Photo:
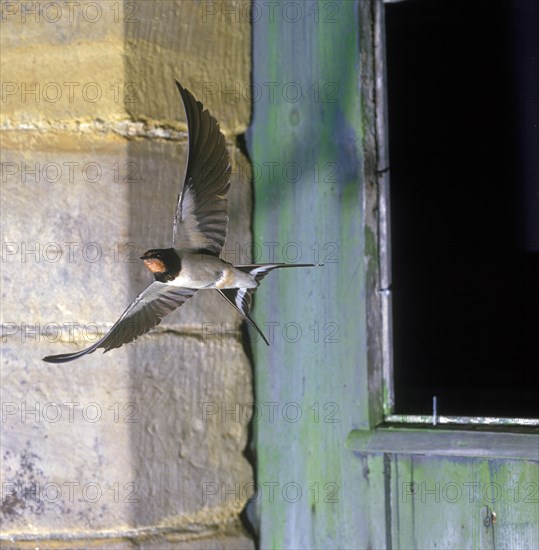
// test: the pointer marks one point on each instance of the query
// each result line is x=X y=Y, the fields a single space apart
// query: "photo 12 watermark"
x=279 y=492
x=70 y=332
x=69 y=12
x=290 y=252
x=291 y=171
x=270 y=91
x=236 y=11
x=52 y=412
x=270 y=412
x=290 y=332
x=69 y=252
x=68 y=92
x=52 y=172
x=469 y=491
x=68 y=492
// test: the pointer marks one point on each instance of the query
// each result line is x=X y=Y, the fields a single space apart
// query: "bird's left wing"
x=144 y=313
x=201 y=217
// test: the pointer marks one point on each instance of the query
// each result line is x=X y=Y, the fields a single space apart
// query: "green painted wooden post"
x=306 y=143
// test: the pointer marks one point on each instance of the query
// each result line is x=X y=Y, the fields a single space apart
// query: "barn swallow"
x=198 y=234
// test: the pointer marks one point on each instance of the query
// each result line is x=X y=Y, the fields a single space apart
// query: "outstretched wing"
x=201 y=216
x=144 y=313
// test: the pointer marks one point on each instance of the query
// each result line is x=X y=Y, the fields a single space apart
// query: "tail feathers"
x=259 y=271
x=241 y=298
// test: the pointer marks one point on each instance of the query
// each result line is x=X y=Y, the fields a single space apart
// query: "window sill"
x=442 y=441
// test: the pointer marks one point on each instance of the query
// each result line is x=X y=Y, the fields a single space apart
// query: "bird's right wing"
x=144 y=313
x=201 y=217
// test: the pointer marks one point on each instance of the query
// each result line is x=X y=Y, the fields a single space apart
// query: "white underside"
x=202 y=271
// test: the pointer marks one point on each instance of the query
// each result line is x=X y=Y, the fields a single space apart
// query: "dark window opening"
x=463 y=89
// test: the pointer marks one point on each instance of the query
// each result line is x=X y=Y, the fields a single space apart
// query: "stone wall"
x=124 y=448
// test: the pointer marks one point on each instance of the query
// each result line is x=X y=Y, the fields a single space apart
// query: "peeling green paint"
x=439 y=501
x=321 y=133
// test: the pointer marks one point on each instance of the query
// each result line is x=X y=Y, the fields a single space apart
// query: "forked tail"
x=241 y=298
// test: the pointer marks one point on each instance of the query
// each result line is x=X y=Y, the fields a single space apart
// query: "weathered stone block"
x=111 y=59
x=205 y=45
x=142 y=449
x=62 y=60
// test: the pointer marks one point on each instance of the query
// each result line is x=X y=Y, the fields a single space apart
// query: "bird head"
x=164 y=263
x=155 y=260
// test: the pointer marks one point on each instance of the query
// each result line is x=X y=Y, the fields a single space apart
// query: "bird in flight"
x=198 y=234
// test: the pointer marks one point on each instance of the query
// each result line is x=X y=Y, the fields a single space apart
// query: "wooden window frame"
x=381 y=321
